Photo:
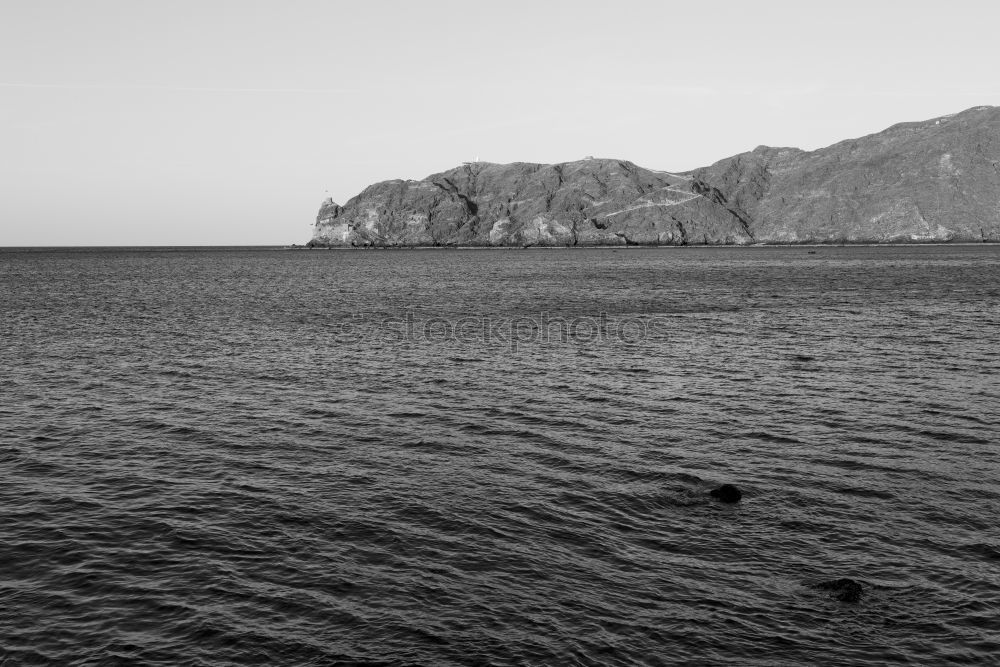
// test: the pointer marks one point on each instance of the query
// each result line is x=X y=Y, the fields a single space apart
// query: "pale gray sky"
x=189 y=122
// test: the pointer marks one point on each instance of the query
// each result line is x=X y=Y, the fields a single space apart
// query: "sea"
x=266 y=456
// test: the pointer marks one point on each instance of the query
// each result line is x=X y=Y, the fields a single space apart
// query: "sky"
x=227 y=122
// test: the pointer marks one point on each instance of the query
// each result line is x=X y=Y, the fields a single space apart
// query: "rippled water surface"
x=497 y=457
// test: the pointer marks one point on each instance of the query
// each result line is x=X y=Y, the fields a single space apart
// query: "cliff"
x=937 y=180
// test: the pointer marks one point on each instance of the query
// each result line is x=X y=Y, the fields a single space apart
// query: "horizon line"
x=195 y=89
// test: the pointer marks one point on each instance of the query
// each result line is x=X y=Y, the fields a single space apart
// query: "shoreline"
x=206 y=248
x=858 y=244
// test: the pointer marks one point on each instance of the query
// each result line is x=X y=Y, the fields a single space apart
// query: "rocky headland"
x=930 y=181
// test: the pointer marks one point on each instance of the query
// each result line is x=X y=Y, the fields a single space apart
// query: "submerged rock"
x=727 y=493
x=845 y=590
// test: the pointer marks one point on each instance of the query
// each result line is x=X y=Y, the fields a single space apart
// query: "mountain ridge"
x=936 y=180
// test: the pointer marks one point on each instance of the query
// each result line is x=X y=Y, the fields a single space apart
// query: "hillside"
x=936 y=180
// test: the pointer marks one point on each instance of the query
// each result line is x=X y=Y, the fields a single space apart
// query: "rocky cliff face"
x=937 y=180
x=589 y=202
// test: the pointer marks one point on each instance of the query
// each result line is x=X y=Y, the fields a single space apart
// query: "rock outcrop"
x=937 y=180
x=727 y=493
x=588 y=202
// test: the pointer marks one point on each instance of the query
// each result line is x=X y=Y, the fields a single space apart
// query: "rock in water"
x=845 y=590
x=727 y=493
x=935 y=180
